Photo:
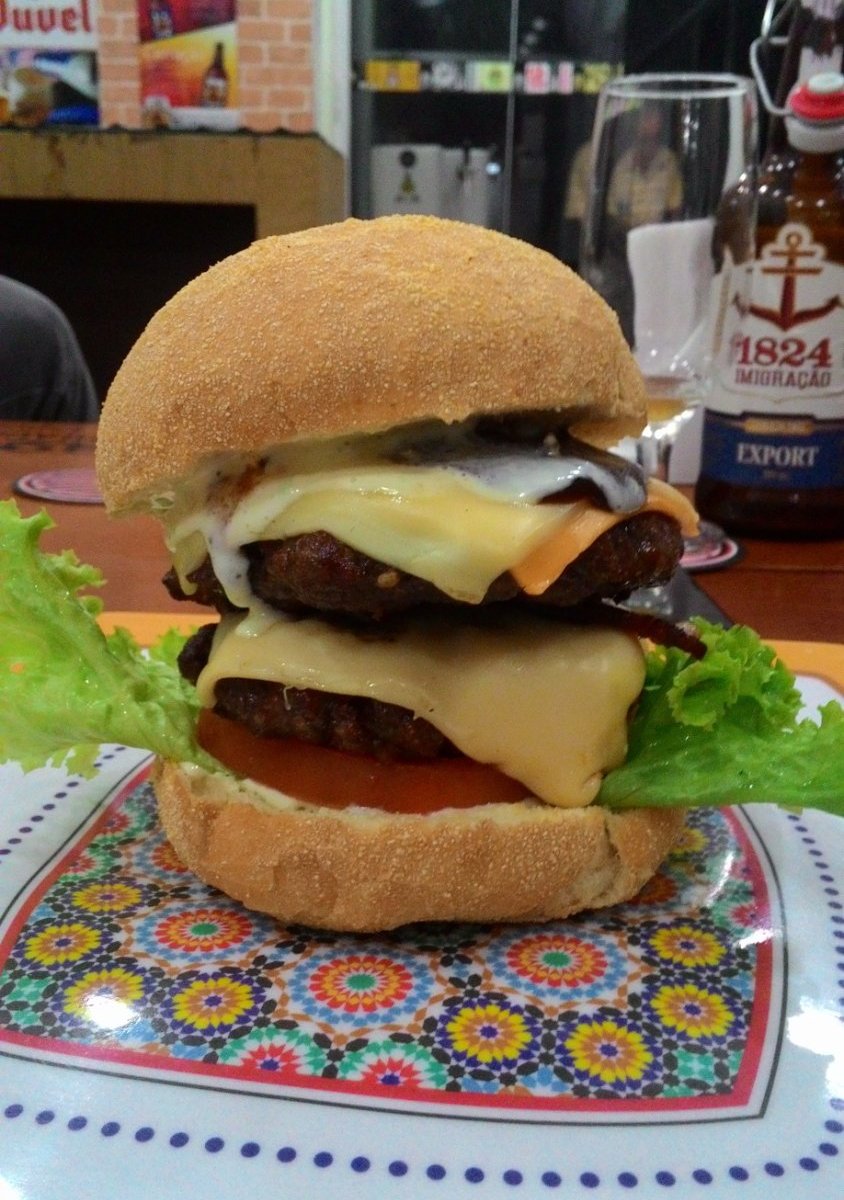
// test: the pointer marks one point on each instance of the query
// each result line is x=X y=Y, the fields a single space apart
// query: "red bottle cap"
x=814 y=120
x=820 y=98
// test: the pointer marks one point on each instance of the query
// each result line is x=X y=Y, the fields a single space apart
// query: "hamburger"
x=378 y=450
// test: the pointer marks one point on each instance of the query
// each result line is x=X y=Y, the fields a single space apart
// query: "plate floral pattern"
x=119 y=955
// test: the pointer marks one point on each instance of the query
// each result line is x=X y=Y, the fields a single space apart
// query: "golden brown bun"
x=361 y=326
x=365 y=871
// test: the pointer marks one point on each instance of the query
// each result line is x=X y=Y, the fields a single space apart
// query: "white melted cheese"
x=545 y=703
x=429 y=522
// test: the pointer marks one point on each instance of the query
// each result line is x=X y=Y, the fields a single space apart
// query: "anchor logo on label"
x=792 y=254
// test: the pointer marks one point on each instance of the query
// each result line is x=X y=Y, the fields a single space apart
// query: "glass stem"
x=654 y=455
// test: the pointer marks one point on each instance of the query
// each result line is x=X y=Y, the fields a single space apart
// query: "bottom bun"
x=361 y=870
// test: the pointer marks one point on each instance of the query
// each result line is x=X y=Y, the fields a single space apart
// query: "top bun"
x=359 y=327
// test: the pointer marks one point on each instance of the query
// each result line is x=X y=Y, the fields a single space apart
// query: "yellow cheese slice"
x=429 y=522
x=545 y=703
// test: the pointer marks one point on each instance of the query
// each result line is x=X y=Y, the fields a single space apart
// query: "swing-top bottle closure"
x=815 y=114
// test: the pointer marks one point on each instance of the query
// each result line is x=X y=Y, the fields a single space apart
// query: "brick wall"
x=275 y=67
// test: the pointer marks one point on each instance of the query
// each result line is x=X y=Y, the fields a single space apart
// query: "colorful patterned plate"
x=157 y=1040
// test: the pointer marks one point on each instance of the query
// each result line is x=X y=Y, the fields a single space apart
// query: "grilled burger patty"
x=315 y=571
x=354 y=723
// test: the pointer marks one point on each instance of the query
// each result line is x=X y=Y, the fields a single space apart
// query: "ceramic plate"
x=158 y=1040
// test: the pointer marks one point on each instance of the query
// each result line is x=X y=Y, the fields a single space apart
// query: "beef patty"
x=315 y=571
x=354 y=723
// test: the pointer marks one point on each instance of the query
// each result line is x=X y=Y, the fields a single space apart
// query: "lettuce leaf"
x=64 y=686
x=725 y=730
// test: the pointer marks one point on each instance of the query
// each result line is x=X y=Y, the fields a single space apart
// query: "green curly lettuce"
x=725 y=729
x=65 y=687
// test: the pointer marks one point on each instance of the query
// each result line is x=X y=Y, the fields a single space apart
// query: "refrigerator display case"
x=481 y=112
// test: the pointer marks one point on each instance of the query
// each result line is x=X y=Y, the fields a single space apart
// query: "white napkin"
x=672 y=269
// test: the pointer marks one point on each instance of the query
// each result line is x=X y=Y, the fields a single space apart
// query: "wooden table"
x=788 y=590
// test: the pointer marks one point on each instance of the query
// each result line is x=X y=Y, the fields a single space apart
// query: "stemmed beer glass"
x=668 y=232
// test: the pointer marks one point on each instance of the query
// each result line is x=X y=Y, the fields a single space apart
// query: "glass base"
x=658 y=600
x=707 y=544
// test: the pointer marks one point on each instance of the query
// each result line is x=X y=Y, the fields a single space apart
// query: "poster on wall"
x=48 y=63
x=188 y=61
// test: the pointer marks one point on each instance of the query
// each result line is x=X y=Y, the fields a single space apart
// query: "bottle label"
x=769 y=452
x=782 y=351
x=214 y=92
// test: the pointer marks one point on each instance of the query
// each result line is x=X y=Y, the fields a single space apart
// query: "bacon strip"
x=644 y=625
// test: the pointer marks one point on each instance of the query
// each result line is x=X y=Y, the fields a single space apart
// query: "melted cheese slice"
x=582 y=525
x=429 y=522
x=545 y=703
x=436 y=524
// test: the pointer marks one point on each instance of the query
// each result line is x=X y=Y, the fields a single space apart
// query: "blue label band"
x=812 y=456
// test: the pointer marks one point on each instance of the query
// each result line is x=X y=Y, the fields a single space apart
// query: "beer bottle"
x=215 y=83
x=772 y=456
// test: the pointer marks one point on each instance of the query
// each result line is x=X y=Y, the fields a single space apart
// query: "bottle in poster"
x=215 y=83
x=161 y=19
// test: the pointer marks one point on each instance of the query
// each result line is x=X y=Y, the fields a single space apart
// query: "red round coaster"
x=68 y=485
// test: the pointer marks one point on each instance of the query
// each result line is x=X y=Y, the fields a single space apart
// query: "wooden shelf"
x=293 y=181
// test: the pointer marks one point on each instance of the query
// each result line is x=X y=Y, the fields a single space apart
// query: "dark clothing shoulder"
x=43 y=374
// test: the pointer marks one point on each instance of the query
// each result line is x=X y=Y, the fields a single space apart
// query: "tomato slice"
x=339 y=779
